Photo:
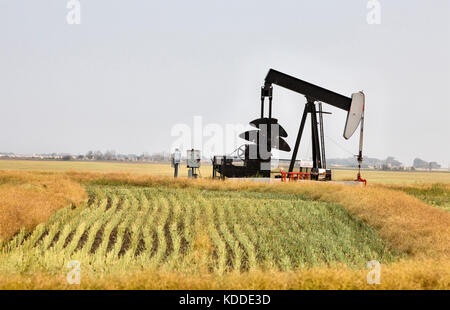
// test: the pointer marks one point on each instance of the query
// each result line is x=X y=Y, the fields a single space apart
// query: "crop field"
x=136 y=230
x=122 y=227
x=95 y=166
x=156 y=169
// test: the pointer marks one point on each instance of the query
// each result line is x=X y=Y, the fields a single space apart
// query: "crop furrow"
x=122 y=240
x=234 y=253
x=160 y=236
x=109 y=232
x=150 y=241
x=246 y=247
x=137 y=243
x=90 y=224
x=247 y=215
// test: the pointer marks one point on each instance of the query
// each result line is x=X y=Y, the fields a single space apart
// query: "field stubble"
x=203 y=234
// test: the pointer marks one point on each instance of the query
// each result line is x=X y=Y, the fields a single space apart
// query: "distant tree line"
x=422 y=164
x=390 y=163
x=111 y=155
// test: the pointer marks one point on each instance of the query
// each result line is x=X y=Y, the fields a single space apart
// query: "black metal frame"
x=312 y=93
x=322 y=135
x=223 y=165
x=310 y=108
x=310 y=90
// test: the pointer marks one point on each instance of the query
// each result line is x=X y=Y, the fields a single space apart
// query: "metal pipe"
x=360 y=157
x=322 y=138
x=262 y=107
x=299 y=137
x=315 y=138
x=270 y=107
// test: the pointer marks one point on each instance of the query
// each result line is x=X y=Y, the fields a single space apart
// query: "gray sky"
x=133 y=69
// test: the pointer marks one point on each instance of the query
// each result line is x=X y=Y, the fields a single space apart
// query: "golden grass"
x=406 y=223
x=394 y=177
x=406 y=274
x=27 y=199
x=434 y=194
x=390 y=177
x=96 y=166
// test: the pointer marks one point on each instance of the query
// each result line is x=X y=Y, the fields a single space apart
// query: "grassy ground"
x=394 y=177
x=27 y=199
x=404 y=274
x=434 y=194
x=141 y=231
x=386 y=177
x=62 y=166
x=407 y=223
x=190 y=229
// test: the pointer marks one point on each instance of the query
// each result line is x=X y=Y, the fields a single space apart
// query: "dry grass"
x=97 y=166
x=405 y=274
x=27 y=199
x=406 y=223
x=394 y=177
x=158 y=169
x=434 y=194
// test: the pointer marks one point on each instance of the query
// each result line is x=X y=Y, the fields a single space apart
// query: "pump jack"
x=354 y=107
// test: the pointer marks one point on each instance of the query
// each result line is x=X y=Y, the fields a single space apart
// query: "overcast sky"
x=134 y=69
